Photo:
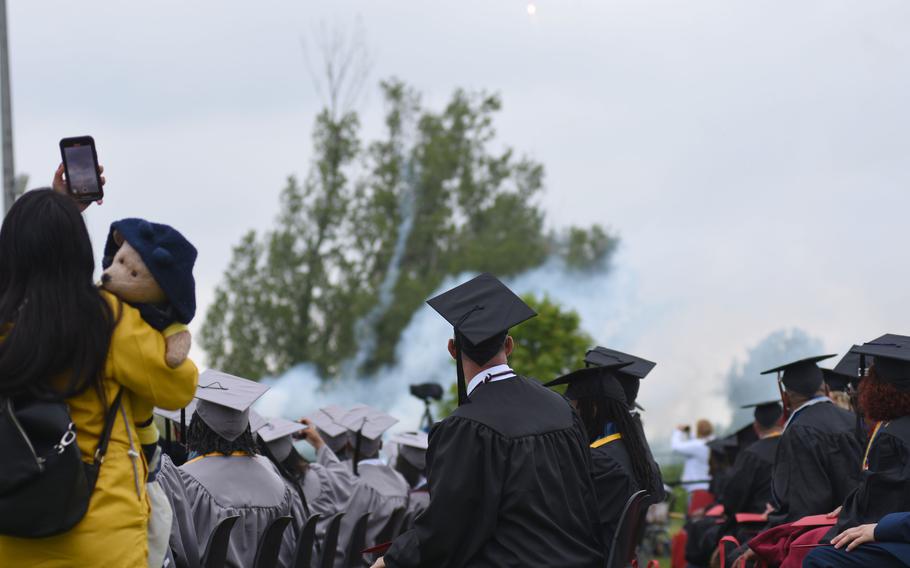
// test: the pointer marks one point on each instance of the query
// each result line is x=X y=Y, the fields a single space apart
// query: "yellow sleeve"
x=174 y=329
x=136 y=361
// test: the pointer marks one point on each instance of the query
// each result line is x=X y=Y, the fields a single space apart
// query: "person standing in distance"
x=509 y=470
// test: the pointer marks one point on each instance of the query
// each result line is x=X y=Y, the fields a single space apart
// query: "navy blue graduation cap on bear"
x=891 y=359
x=767 y=414
x=168 y=256
x=481 y=311
x=629 y=376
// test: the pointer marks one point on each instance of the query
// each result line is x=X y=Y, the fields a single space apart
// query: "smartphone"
x=80 y=163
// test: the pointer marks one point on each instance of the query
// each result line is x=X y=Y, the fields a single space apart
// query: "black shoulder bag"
x=45 y=487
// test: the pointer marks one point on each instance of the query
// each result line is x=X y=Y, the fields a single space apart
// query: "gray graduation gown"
x=327 y=487
x=216 y=487
x=380 y=491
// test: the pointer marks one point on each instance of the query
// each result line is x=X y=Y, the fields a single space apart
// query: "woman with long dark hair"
x=619 y=456
x=63 y=338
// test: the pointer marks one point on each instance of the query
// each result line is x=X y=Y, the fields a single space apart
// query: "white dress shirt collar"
x=491 y=375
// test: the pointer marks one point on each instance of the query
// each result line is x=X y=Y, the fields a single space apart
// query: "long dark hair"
x=596 y=412
x=55 y=319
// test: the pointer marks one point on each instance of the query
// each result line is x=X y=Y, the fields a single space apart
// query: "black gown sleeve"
x=614 y=485
x=464 y=472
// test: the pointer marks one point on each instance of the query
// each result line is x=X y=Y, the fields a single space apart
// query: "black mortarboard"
x=767 y=414
x=892 y=359
x=592 y=382
x=836 y=381
x=723 y=445
x=481 y=310
x=630 y=376
x=803 y=376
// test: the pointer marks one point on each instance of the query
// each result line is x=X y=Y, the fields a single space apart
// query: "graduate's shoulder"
x=898 y=428
x=611 y=455
x=763 y=449
x=517 y=407
x=824 y=418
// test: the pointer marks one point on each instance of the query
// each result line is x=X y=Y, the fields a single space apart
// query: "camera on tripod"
x=427 y=391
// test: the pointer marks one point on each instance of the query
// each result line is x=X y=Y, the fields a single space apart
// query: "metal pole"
x=6 y=115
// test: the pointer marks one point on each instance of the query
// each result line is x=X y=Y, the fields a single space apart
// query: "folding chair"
x=393 y=528
x=216 y=548
x=270 y=543
x=330 y=544
x=303 y=555
x=352 y=556
x=629 y=531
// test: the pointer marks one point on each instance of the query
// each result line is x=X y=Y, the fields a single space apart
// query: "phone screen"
x=80 y=170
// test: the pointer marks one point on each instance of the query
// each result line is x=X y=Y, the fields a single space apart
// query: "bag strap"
x=105 y=437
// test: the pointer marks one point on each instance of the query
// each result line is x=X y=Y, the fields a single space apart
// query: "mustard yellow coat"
x=113 y=532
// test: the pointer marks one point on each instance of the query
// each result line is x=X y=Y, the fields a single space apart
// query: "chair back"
x=629 y=531
x=216 y=548
x=330 y=543
x=270 y=543
x=699 y=500
x=303 y=555
x=353 y=558
x=392 y=528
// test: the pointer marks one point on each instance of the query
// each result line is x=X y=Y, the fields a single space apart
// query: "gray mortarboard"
x=481 y=311
x=412 y=446
x=368 y=425
x=327 y=421
x=804 y=376
x=891 y=355
x=630 y=376
x=224 y=402
x=767 y=414
x=593 y=382
x=276 y=433
x=257 y=421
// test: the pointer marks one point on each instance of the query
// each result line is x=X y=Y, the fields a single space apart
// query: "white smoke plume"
x=421 y=353
x=365 y=330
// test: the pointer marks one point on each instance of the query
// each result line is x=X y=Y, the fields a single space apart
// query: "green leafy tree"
x=546 y=347
x=375 y=228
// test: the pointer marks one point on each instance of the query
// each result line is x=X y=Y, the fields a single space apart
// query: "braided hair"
x=200 y=438
x=596 y=412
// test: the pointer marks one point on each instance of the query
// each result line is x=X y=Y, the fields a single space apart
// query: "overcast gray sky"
x=753 y=155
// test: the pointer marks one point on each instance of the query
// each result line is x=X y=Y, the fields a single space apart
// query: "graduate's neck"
x=795 y=400
x=767 y=432
x=472 y=369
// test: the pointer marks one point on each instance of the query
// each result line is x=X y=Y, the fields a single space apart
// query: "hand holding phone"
x=80 y=164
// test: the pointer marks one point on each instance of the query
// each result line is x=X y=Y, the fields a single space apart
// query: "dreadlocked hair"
x=596 y=412
x=203 y=440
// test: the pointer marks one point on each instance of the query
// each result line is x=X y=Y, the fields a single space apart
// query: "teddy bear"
x=150 y=266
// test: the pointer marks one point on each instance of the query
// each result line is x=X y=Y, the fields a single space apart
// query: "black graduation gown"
x=509 y=486
x=885 y=485
x=818 y=463
x=748 y=488
x=614 y=482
